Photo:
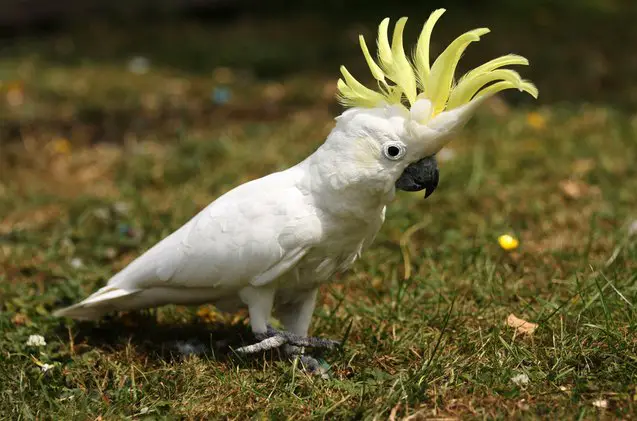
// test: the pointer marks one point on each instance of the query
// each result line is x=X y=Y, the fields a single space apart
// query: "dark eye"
x=394 y=150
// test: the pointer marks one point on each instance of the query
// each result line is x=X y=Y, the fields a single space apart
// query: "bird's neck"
x=342 y=188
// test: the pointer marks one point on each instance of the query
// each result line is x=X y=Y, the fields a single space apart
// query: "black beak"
x=420 y=175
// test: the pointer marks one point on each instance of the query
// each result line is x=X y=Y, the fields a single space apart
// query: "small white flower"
x=76 y=262
x=600 y=403
x=46 y=367
x=520 y=379
x=632 y=228
x=36 y=340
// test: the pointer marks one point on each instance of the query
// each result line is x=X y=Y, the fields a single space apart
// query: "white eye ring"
x=394 y=150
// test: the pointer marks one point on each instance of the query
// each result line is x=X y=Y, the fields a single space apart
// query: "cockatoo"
x=270 y=243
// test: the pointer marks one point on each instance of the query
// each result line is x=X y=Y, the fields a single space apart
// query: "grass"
x=98 y=164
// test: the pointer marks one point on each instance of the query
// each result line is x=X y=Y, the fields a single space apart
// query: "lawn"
x=103 y=154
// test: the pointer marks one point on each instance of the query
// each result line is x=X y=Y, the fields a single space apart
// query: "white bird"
x=270 y=243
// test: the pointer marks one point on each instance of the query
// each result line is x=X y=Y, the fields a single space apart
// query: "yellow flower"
x=536 y=120
x=508 y=242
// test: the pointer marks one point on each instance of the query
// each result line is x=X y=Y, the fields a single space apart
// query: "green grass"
x=147 y=152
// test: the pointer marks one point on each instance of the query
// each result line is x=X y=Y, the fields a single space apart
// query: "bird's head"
x=396 y=130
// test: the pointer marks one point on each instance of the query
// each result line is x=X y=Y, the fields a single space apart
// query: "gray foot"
x=274 y=338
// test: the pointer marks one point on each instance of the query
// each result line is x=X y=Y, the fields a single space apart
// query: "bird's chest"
x=342 y=243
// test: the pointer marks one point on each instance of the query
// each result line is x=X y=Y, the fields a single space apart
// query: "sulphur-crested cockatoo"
x=270 y=243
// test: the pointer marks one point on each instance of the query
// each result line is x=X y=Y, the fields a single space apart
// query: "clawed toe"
x=311 y=342
x=275 y=338
x=264 y=345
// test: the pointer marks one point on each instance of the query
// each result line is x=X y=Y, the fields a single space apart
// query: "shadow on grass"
x=171 y=342
x=161 y=341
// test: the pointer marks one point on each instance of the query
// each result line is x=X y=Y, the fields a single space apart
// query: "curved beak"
x=420 y=175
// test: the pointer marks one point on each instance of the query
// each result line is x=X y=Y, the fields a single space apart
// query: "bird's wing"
x=251 y=235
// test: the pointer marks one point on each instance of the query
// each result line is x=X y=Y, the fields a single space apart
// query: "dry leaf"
x=20 y=319
x=521 y=326
x=394 y=411
x=377 y=283
x=571 y=189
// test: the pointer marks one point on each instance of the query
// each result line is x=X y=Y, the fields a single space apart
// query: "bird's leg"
x=259 y=302
x=296 y=318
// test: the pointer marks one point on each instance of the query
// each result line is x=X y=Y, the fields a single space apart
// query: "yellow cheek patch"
x=401 y=80
x=367 y=153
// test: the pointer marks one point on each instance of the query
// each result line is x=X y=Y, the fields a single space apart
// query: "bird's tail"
x=101 y=302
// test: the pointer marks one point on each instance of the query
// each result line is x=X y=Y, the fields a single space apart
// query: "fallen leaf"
x=394 y=411
x=572 y=189
x=377 y=283
x=20 y=319
x=520 y=325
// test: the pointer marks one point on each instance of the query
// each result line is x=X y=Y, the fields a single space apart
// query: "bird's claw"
x=274 y=338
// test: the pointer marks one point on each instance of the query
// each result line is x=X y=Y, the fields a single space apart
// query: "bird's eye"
x=394 y=150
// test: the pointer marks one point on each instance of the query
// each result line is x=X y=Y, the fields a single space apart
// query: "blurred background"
x=104 y=71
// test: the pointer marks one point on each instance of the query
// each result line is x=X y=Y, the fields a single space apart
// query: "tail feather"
x=96 y=305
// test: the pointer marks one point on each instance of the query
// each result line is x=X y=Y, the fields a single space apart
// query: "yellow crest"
x=400 y=79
